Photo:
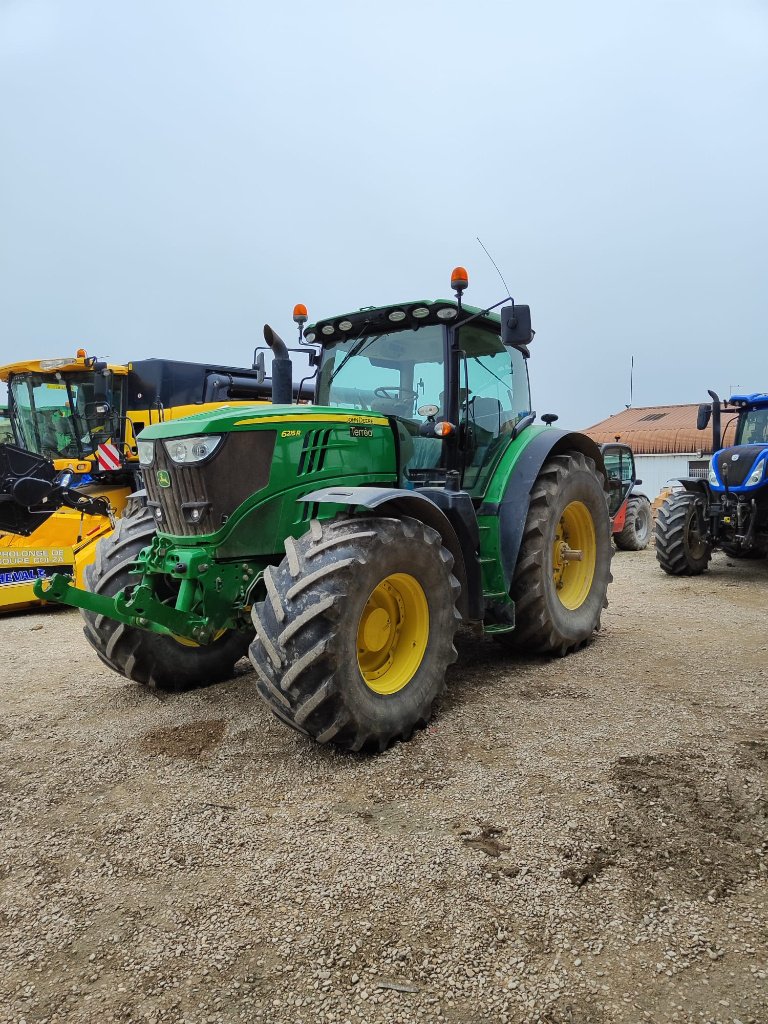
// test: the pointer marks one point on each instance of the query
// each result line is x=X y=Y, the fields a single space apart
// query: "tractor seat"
x=486 y=413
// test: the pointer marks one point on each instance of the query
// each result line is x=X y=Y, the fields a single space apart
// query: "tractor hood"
x=745 y=467
x=229 y=419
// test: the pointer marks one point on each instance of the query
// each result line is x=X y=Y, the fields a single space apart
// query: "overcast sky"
x=175 y=173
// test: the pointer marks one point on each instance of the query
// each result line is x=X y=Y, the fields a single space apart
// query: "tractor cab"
x=61 y=409
x=456 y=392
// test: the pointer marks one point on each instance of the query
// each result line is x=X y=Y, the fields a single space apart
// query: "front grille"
x=313 y=451
x=213 y=489
x=739 y=470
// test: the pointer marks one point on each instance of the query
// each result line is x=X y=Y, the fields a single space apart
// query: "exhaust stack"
x=282 y=368
x=717 y=440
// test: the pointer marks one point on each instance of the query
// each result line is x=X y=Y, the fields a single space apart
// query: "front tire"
x=638 y=525
x=356 y=632
x=155 y=661
x=680 y=550
x=558 y=597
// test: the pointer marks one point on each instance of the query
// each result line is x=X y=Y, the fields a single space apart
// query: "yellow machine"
x=71 y=465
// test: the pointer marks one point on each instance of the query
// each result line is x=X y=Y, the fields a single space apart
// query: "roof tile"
x=659 y=430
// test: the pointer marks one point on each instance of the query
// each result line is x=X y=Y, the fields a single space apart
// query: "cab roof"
x=759 y=400
x=62 y=364
x=407 y=316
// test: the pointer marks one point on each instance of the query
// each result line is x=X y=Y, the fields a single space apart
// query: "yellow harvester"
x=72 y=463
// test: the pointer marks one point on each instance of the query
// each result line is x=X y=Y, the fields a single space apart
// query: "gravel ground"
x=571 y=842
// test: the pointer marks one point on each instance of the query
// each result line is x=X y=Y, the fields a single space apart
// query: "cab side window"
x=495 y=398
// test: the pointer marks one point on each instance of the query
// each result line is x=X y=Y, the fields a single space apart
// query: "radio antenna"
x=631 y=381
x=493 y=261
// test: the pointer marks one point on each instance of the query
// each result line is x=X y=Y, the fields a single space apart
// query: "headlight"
x=146 y=452
x=756 y=475
x=192 y=449
x=712 y=474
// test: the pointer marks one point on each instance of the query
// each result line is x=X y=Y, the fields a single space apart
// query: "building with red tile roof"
x=665 y=441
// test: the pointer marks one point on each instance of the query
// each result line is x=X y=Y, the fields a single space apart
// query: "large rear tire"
x=680 y=550
x=638 y=525
x=356 y=632
x=558 y=596
x=155 y=661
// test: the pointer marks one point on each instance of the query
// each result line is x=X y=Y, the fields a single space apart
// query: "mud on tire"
x=308 y=629
x=157 y=662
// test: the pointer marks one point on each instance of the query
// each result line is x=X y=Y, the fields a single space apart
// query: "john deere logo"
x=164 y=478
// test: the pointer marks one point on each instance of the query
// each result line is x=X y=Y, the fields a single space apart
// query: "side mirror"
x=258 y=365
x=101 y=377
x=704 y=416
x=516 y=329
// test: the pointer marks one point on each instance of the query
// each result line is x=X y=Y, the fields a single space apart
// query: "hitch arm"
x=135 y=606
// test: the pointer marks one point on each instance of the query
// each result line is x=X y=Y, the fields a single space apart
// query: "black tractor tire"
x=543 y=623
x=155 y=661
x=679 y=549
x=310 y=628
x=638 y=525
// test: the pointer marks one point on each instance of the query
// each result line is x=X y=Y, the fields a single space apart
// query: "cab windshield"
x=395 y=374
x=753 y=427
x=55 y=416
x=403 y=374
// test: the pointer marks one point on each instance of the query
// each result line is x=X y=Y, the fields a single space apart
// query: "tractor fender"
x=397 y=502
x=695 y=486
x=512 y=510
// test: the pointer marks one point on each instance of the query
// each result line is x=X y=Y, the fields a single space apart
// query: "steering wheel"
x=401 y=394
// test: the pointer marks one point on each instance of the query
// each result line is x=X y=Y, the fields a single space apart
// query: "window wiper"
x=356 y=349
x=489 y=370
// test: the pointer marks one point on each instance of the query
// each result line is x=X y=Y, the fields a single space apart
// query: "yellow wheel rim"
x=392 y=633
x=574 y=555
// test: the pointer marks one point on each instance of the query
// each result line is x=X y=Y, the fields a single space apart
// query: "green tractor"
x=343 y=543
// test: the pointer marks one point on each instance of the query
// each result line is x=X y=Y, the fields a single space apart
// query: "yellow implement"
x=71 y=428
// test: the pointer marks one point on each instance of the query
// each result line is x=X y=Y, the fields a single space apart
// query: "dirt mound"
x=696 y=824
x=190 y=740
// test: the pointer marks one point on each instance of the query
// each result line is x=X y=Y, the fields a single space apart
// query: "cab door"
x=620 y=471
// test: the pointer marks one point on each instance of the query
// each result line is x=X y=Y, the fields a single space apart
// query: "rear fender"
x=395 y=502
x=512 y=510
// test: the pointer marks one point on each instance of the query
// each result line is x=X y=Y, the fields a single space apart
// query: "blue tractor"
x=728 y=510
